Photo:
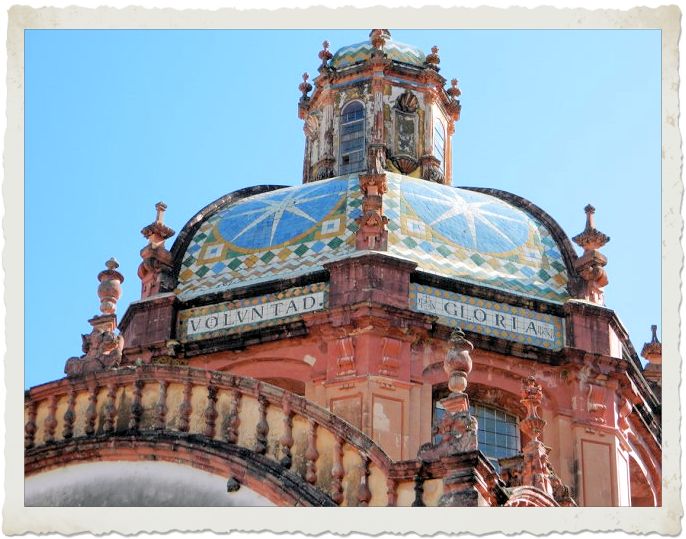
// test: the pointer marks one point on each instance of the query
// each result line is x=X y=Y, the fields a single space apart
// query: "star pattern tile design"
x=448 y=231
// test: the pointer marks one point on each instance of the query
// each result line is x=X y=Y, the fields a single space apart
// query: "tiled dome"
x=448 y=231
x=360 y=52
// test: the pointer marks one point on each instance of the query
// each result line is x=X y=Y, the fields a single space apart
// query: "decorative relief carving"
x=155 y=271
x=103 y=346
x=390 y=357
x=345 y=356
x=407 y=102
x=594 y=403
x=457 y=432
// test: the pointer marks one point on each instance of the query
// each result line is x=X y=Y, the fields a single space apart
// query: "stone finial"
x=379 y=37
x=109 y=290
x=157 y=260
x=454 y=92
x=325 y=55
x=652 y=350
x=591 y=239
x=532 y=395
x=590 y=265
x=458 y=365
x=457 y=431
x=454 y=107
x=433 y=59
x=305 y=87
x=536 y=469
x=102 y=348
x=156 y=232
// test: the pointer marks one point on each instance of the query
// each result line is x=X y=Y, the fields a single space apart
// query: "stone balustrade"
x=163 y=405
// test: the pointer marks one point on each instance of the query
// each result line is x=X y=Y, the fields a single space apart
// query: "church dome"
x=449 y=232
x=360 y=52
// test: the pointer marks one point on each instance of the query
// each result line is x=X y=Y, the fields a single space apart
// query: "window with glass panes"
x=352 y=138
x=498 y=432
x=439 y=140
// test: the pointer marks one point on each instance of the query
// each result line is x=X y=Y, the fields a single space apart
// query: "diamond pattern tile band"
x=451 y=232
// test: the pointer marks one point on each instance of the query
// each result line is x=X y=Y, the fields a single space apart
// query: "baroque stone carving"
x=156 y=268
x=457 y=431
x=590 y=265
x=102 y=347
x=407 y=102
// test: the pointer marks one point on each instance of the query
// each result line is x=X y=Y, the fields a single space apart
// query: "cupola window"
x=439 y=141
x=498 y=432
x=352 y=138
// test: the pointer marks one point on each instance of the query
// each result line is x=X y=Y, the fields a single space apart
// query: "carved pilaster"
x=536 y=465
x=372 y=233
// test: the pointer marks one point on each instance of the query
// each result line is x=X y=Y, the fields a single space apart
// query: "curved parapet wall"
x=239 y=427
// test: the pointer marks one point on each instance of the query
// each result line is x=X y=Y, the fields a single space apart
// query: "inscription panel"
x=237 y=316
x=488 y=317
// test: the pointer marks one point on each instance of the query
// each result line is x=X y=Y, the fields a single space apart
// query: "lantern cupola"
x=379 y=105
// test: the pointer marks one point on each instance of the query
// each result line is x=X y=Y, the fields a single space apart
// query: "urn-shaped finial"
x=305 y=86
x=109 y=290
x=458 y=362
x=432 y=60
x=325 y=55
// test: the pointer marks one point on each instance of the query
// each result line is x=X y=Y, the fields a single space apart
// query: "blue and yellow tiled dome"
x=360 y=52
x=450 y=232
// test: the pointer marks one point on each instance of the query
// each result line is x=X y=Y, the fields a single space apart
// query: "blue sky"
x=118 y=120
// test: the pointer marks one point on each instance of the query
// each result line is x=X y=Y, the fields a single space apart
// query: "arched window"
x=498 y=432
x=439 y=141
x=352 y=138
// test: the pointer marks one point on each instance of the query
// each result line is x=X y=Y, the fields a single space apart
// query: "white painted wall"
x=134 y=484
